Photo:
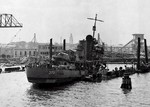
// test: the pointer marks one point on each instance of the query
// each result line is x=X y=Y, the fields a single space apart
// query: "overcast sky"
x=59 y=18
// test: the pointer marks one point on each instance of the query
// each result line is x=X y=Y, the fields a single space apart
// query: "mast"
x=95 y=20
x=98 y=38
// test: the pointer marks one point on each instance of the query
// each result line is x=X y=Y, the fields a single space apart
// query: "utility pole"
x=95 y=20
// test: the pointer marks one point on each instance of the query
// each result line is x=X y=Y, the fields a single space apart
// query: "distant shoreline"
x=119 y=63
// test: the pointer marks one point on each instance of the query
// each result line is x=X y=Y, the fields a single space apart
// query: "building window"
x=29 y=53
x=20 y=53
x=25 y=53
x=15 y=53
x=39 y=47
x=34 y=53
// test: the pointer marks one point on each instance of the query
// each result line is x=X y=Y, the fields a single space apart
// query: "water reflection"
x=126 y=91
x=16 y=91
x=44 y=92
x=67 y=95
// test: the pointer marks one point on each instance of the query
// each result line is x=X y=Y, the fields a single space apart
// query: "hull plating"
x=47 y=75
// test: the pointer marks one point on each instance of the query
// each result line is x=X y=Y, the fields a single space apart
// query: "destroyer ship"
x=67 y=65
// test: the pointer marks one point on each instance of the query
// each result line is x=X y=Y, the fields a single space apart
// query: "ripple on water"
x=18 y=92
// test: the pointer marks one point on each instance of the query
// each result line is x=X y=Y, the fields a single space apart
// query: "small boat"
x=7 y=68
x=93 y=78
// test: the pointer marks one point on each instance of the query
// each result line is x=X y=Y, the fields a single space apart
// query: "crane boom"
x=13 y=38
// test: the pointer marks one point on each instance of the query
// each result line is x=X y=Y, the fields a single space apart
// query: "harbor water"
x=16 y=91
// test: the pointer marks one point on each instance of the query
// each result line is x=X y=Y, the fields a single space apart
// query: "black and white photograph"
x=74 y=53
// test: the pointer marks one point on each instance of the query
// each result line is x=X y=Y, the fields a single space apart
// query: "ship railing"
x=54 y=67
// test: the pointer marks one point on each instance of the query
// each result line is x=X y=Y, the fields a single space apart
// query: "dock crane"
x=9 y=21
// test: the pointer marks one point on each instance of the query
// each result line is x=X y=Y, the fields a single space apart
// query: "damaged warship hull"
x=59 y=68
x=67 y=65
x=46 y=75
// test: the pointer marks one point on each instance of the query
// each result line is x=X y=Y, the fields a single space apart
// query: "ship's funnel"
x=89 y=46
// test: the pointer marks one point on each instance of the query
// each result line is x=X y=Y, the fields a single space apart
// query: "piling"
x=146 y=56
x=64 y=44
x=126 y=82
x=138 y=54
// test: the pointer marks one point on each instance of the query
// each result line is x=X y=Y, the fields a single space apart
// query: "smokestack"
x=89 y=47
x=50 y=52
x=146 y=56
x=138 y=53
x=64 y=44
